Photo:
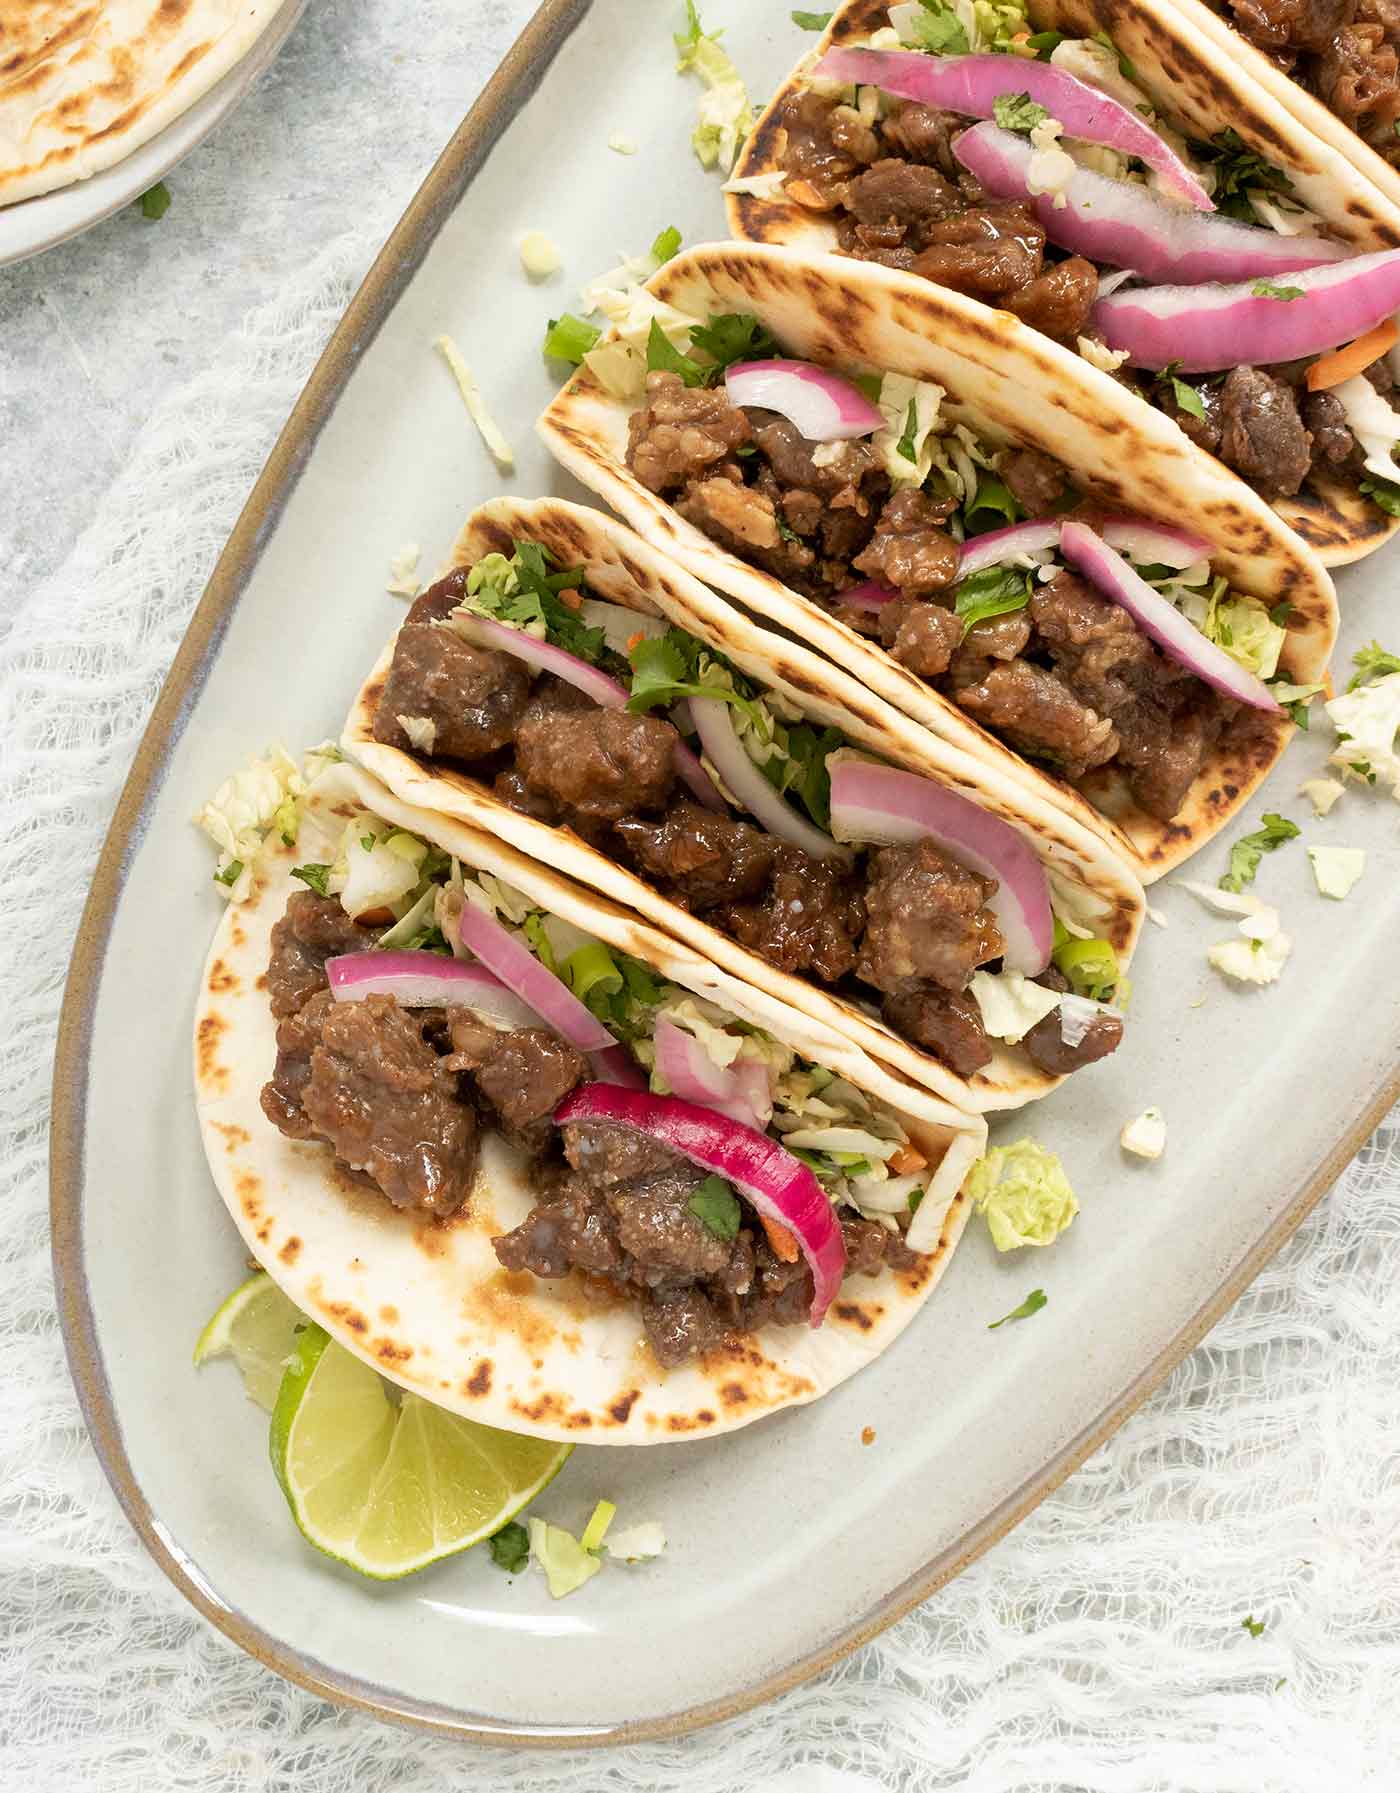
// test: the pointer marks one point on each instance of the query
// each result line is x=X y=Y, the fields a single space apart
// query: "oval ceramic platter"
x=793 y=1541
x=33 y=225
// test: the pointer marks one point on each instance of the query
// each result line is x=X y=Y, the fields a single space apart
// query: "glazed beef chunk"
x=683 y=432
x=909 y=549
x=926 y=917
x=1045 y=1045
x=1261 y=433
x=379 y=1095
x=1345 y=51
x=298 y=1036
x=473 y=696
x=807 y=921
x=601 y=763
x=901 y=198
x=922 y=636
x=946 y=1023
x=525 y=1077
x=619 y=1212
x=312 y=930
x=701 y=859
x=1032 y=709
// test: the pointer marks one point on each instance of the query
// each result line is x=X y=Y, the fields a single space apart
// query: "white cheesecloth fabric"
x=1099 y=1649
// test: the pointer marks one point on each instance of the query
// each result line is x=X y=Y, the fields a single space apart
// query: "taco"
x=979 y=526
x=482 y=1196
x=568 y=690
x=1105 y=173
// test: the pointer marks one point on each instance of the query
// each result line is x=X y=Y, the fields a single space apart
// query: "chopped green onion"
x=1091 y=967
x=597 y=1528
x=569 y=338
x=591 y=972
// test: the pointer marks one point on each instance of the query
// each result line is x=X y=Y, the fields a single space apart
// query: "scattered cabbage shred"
x=1023 y=1193
x=403 y=572
x=1146 y=1136
x=501 y=450
x=1337 y=869
x=726 y=116
x=1366 y=721
x=259 y=803
x=568 y=1562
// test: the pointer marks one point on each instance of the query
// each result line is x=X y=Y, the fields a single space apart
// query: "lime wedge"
x=256 y=1326
x=386 y=1481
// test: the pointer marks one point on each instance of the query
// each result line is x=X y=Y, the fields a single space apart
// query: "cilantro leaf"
x=1033 y=1303
x=1247 y=852
x=1372 y=662
x=812 y=21
x=1270 y=289
x=906 y=442
x=1237 y=168
x=1280 y=613
x=1045 y=42
x=1385 y=493
x=665 y=667
x=510 y=1547
x=938 y=28
x=665 y=357
x=569 y=338
x=314 y=877
x=538 y=600
x=1255 y=1627
x=730 y=337
x=155 y=202
x=715 y=1205
x=666 y=245
x=1187 y=397
x=995 y=591
x=803 y=774
x=1018 y=112
x=995 y=502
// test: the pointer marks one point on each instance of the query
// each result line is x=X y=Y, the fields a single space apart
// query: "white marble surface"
x=96 y=333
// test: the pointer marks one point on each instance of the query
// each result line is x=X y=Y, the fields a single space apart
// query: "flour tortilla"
x=428 y=1304
x=1200 y=92
x=1102 y=891
x=85 y=82
x=1008 y=384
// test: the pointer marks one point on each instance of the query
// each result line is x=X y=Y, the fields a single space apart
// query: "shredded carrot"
x=905 y=1160
x=782 y=1241
x=1020 y=44
x=632 y=640
x=1330 y=370
x=571 y=598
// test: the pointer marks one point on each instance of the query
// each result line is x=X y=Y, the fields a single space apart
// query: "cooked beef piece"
x=700 y=858
x=551 y=696
x=781 y=1294
x=605 y=1156
x=944 y=1022
x=1358 y=78
x=909 y=549
x=906 y=194
x=471 y=1041
x=1040 y=715
x=987 y=254
x=1326 y=421
x=1039 y=485
x=439 y=600
x=1203 y=431
x=473 y=696
x=682 y=431
x=870 y=1247
x=921 y=635
x=736 y=515
x=923 y=134
x=1048 y=1052
x=1164 y=721
x=681 y=1323
x=996 y=638
x=807 y=921
x=388 y=1107
x=1281 y=25
x=603 y=763
x=926 y=917
x=1261 y=434
x=658 y=1231
x=312 y=930
x=525 y=1078
x=511 y=789
x=790 y=455
x=818 y=166
x=1059 y=300
x=298 y=1036
x=1378 y=373
x=573 y=1228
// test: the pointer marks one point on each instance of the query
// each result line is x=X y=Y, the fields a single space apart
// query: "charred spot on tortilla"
x=249 y=1188
x=209 y=1036
x=345 y=1314
x=291 y=1250
x=479 y=1382
x=390 y=1351
x=853 y=1314
x=221 y=978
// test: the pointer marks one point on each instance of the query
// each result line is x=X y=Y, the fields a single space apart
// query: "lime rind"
x=257 y=1327
x=388 y=1486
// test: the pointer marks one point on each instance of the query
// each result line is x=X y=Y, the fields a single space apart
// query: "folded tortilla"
x=1200 y=91
x=1008 y=384
x=85 y=82
x=1093 y=882
x=427 y=1303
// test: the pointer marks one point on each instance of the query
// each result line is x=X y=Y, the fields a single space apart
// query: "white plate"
x=792 y=1541
x=37 y=224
